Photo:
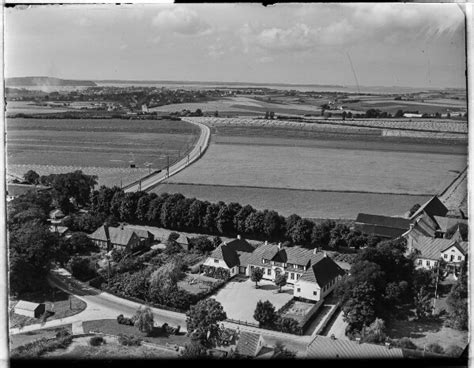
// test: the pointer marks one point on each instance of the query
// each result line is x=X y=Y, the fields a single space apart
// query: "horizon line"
x=286 y=84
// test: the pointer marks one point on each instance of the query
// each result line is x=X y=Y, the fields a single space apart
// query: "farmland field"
x=322 y=168
x=104 y=147
x=311 y=204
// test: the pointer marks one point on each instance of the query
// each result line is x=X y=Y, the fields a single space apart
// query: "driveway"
x=239 y=297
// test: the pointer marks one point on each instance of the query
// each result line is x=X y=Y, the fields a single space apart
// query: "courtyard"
x=239 y=297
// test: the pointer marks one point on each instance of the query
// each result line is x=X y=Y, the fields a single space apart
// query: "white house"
x=230 y=256
x=319 y=279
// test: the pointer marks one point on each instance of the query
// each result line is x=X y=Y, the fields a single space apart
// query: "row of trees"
x=69 y=190
x=176 y=212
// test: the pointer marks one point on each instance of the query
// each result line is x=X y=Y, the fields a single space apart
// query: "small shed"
x=29 y=309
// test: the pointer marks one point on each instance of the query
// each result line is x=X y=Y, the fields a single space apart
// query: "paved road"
x=101 y=305
x=198 y=150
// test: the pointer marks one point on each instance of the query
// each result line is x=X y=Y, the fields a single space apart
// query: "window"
x=298 y=290
x=420 y=262
x=315 y=293
x=427 y=263
x=292 y=276
x=459 y=258
x=445 y=255
x=264 y=261
x=269 y=271
x=216 y=261
x=298 y=276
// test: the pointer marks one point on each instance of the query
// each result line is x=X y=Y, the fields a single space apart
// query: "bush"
x=454 y=351
x=125 y=321
x=37 y=348
x=63 y=332
x=129 y=340
x=96 y=341
x=435 y=348
x=405 y=343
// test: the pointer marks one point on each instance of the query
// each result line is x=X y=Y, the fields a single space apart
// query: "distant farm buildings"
x=29 y=309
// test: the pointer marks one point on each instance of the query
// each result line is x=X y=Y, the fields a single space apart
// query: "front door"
x=452 y=258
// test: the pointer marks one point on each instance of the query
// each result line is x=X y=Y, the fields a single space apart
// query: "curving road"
x=198 y=150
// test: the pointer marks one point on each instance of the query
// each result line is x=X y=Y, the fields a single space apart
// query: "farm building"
x=249 y=344
x=16 y=190
x=29 y=309
x=319 y=279
x=60 y=230
x=116 y=237
x=381 y=226
x=429 y=251
x=145 y=236
x=331 y=348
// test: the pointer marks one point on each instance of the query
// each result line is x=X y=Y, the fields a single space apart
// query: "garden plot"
x=196 y=284
x=298 y=310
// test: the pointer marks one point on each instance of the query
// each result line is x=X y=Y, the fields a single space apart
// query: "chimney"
x=325 y=254
x=121 y=226
x=266 y=242
x=239 y=237
x=333 y=337
x=412 y=226
x=279 y=245
x=315 y=250
x=388 y=345
x=358 y=340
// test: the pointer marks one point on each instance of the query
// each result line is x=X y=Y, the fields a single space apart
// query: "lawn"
x=27 y=337
x=58 y=305
x=239 y=297
x=318 y=168
x=310 y=204
x=112 y=327
x=423 y=333
x=112 y=349
x=98 y=142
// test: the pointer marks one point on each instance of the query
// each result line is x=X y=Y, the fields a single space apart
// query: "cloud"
x=351 y=24
x=181 y=20
x=215 y=51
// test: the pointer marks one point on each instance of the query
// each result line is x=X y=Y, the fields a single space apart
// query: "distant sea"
x=233 y=85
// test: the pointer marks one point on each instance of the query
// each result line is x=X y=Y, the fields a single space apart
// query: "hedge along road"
x=151 y=181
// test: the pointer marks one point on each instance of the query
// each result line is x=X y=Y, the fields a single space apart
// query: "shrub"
x=129 y=340
x=125 y=321
x=37 y=348
x=63 y=332
x=454 y=351
x=405 y=343
x=96 y=341
x=435 y=348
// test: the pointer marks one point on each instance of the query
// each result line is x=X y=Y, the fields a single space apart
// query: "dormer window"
x=216 y=261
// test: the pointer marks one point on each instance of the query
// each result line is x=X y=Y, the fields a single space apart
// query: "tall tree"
x=256 y=275
x=241 y=217
x=265 y=313
x=144 y=320
x=203 y=319
x=280 y=281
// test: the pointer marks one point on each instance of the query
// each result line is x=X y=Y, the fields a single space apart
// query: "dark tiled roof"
x=322 y=271
x=267 y=251
x=326 y=348
x=143 y=233
x=380 y=231
x=462 y=247
x=434 y=207
x=431 y=248
x=231 y=252
x=383 y=221
x=445 y=223
x=248 y=344
x=117 y=235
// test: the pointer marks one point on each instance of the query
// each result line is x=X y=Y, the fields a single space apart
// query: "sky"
x=397 y=44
